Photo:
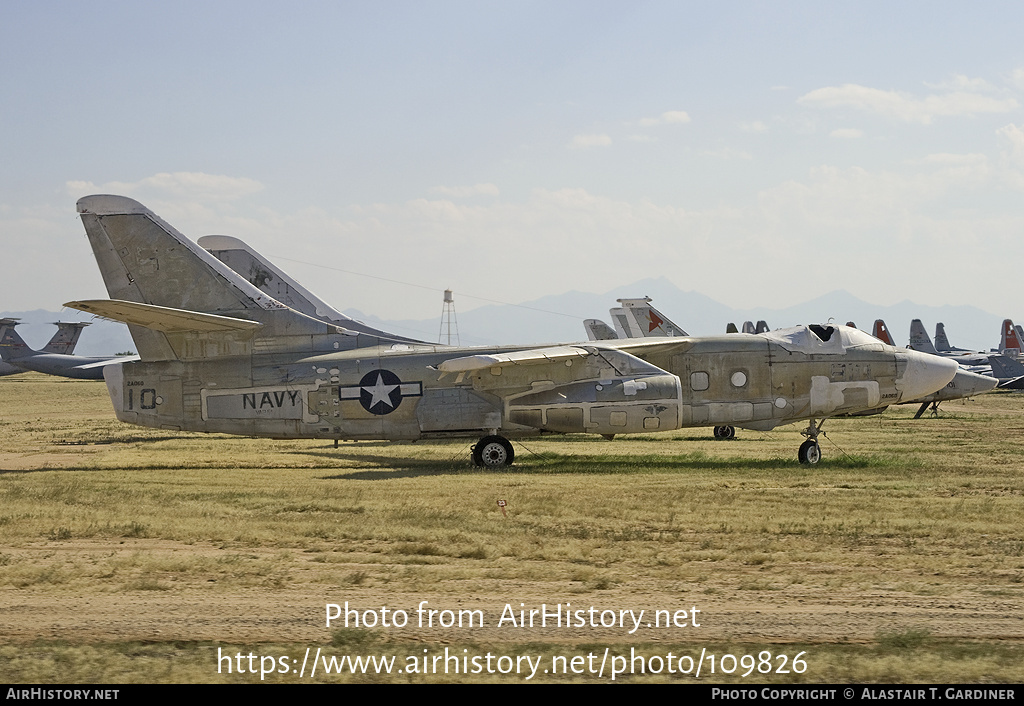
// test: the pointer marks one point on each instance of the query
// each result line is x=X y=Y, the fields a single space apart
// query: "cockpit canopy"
x=822 y=338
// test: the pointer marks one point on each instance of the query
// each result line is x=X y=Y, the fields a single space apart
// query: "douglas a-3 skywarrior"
x=220 y=355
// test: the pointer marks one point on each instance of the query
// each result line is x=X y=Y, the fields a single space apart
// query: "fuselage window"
x=699 y=381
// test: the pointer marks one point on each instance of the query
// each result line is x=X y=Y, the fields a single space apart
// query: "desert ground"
x=138 y=555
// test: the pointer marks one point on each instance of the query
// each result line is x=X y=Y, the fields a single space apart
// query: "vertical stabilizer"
x=598 y=330
x=731 y=328
x=1009 y=340
x=762 y=327
x=919 y=339
x=145 y=260
x=881 y=332
x=272 y=280
x=748 y=327
x=66 y=338
x=636 y=318
x=12 y=345
x=1005 y=368
x=941 y=342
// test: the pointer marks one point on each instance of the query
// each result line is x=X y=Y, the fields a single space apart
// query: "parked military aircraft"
x=881 y=332
x=220 y=355
x=62 y=343
x=1008 y=372
x=1010 y=339
x=920 y=341
x=966 y=383
x=634 y=318
x=16 y=353
x=942 y=344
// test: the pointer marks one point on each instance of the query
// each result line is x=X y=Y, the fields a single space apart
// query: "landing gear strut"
x=493 y=452
x=725 y=432
x=810 y=452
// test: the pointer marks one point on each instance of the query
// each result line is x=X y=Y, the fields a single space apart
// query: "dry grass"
x=899 y=558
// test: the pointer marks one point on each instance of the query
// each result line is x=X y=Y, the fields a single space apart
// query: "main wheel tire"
x=493 y=452
x=724 y=432
x=810 y=452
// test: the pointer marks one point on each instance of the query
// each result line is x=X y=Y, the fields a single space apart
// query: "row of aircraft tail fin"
x=636 y=318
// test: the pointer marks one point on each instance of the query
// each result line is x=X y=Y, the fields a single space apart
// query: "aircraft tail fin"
x=66 y=338
x=748 y=327
x=145 y=260
x=1005 y=368
x=636 y=318
x=1009 y=341
x=941 y=342
x=11 y=343
x=271 y=280
x=762 y=327
x=598 y=330
x=919 y=339
x=731 y=328
x=881 y=332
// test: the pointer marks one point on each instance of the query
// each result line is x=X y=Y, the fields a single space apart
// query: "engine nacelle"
x=624 y=405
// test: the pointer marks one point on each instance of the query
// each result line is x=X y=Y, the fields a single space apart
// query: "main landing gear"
x=725 y=432
x=810 y=452
x=493 y=452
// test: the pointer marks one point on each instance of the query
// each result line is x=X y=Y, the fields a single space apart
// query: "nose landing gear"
x=810 y=452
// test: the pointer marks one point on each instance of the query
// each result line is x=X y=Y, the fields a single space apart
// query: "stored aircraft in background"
x=966 y=383
x=1010 y=339
x=633 y=318
x=1008 y=372
x=881 y=332
x=17 y=355
x=220 y=355
x=62 y=343
x=920 y=341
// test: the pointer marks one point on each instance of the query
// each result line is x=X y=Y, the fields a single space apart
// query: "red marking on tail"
x=655 y=322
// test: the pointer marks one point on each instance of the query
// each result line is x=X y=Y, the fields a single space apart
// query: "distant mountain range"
x=559 y=318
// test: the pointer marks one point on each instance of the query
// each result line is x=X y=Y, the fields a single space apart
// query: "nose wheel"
x=810 y=452
x=493 y=452
x=725 y=432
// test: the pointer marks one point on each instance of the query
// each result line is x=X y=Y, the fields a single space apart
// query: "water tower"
x=449 y=321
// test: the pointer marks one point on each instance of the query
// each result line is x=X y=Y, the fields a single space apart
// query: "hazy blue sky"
x=761 y=153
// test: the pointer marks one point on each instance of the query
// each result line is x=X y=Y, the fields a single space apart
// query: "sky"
x=761 y=153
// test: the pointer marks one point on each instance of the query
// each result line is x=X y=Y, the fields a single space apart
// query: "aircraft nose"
x=925 y=373
x=973 y=383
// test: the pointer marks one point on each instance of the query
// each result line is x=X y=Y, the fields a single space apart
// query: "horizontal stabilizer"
x=110 y=361
x=161 y=318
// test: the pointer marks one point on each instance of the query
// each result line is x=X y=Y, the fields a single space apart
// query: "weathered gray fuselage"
x=397 y=391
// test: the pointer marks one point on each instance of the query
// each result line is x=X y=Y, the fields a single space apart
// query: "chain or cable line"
x=432 y=289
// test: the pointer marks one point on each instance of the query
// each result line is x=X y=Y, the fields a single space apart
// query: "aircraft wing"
x=574 y=388
x=532 y=356
x=161 y=318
